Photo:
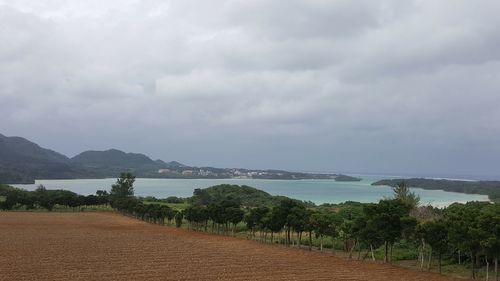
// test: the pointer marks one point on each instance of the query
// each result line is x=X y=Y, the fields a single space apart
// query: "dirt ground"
x=107 y=246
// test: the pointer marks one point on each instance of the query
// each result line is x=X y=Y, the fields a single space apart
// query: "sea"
x=317 y=191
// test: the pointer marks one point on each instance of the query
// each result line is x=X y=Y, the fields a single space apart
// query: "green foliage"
x=292 y=215
x=435 y=233
x=489 y=225
x=490 y=188
x=168 y=200
x=387 y=217
x=245 y=195
x=15 y=198
x=202 y=197
x=366 y=232
x=197 y=214
x=4 y=189
x=387 y=221
x=174 y=200
x=124 y=187
x=257 y=218
x=154 y=213
x=403 y=193
x=298 y=218
x=473 y=228
x=276 y=220
x=326 y=223
x=462 y=224
x=178 y=219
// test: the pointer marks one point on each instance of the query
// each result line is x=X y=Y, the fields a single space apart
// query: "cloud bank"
x=408 y=87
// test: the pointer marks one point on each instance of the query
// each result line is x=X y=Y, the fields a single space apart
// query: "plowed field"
x=104 y=246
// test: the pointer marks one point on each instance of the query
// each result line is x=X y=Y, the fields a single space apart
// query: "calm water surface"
x=317 y=191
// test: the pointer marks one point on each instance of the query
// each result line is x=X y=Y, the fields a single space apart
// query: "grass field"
x=108 y=246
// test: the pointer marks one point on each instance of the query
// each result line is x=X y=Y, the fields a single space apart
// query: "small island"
x=490 y=188
x=346 y=178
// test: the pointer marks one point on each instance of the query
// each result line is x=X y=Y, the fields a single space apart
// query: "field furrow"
x=106 y=246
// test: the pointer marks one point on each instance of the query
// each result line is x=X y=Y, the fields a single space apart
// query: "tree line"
x=15 y=198
x=122 y=198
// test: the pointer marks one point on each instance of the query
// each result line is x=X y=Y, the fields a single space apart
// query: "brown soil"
x=106 y=246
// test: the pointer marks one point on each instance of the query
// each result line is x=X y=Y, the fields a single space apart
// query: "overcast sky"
x=394 y=87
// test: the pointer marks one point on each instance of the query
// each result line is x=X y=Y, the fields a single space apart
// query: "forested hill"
x=114 y=158
x=245 y=195
x=17 y=150
x=490 y=188
x=21 y=161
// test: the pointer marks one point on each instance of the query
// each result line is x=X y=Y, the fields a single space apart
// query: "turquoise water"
x=317 y=191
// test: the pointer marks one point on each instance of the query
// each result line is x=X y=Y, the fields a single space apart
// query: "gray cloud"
x=364 y=86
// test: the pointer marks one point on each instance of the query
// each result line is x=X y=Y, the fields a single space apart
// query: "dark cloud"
x=365 y=86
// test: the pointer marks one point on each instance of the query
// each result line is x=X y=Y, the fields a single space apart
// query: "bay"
x=317 y=191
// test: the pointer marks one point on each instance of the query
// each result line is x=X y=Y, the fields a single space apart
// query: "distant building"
x=163 y=171
x=203 y=172
x=187 y=172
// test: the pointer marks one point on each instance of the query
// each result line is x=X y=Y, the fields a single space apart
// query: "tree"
x=201 y=197
x=464 y=232
x=390 y=217
x=367 y=233
x=274 y=221
x=234 y=216
x=44 y=198
x=489 y=225
x=309 y=226
x=124 y=187
x=435 y=234
x=170 y=214
x=289 y=212
x=178 y=219
x=197 y=216
x=326 y=224
x=255 y=219
x=298 y=218
x=403 y=193
x=12 y=197
x=102 y=196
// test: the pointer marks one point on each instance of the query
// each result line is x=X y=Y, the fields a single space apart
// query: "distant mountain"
x=20 y=150
x=171 y=164
x=161 y=162
x=114 y=158
x=21 y=161
x=175 y=164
